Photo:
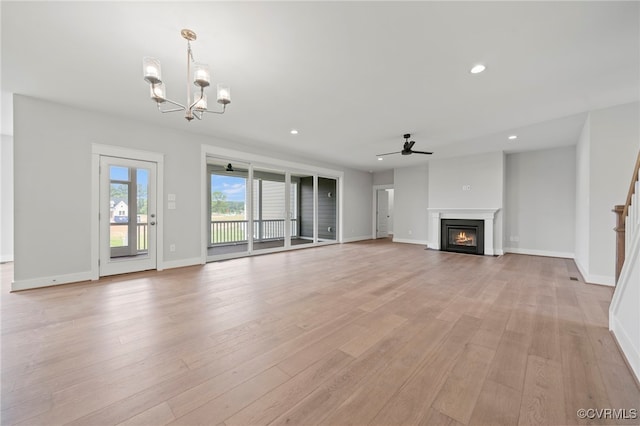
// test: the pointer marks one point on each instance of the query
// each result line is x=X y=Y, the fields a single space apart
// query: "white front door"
x=128 y=219
x=382 y=225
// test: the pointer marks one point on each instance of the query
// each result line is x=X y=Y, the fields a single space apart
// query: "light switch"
x=171 y=197
x=171 y=206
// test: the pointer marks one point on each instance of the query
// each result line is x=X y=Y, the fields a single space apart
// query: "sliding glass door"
x=255 y=209
x=269 y=209
x=327 y=203
x=228 y=230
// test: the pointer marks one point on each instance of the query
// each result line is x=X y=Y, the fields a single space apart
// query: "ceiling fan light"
x=201 y=75
x=151 y=70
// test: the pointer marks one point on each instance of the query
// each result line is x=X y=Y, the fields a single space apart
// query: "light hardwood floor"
x=362 y=333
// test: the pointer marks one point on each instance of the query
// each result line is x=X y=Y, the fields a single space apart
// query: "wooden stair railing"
x=622 y=211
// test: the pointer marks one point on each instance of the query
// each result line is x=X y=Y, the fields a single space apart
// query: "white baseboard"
x=171 y=264
x=592 y=278
x=601 y=279
x=50 y=281
x=405 y=240
x=631 y=352
x=6 y=258
x=499 y=252
x=544 y=253
x=354 y=239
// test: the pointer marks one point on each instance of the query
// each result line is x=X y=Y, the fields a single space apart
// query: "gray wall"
x=411 y=200
x=53 y=181
x=612 y=150
x=357 y=198
x=582 y=238
x=540 y=202
x=6 y=199
x=383 y=178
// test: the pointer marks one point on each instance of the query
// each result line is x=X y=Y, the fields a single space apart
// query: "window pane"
x=119 y=215
x=119 y=173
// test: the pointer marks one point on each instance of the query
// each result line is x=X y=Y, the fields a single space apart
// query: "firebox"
x=462 y=236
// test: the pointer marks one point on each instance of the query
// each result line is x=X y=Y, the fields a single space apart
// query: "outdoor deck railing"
x=235 y=231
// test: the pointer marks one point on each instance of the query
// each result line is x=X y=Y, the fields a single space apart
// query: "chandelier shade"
x=196 y=105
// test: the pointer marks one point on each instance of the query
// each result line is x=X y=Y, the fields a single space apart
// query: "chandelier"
x=196 y=105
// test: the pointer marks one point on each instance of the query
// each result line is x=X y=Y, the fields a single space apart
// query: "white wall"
x=411 y=200
x=614 y=139
x=485 y=176
x=582 y=237
x=53 y=186
x=6 y=199
x=540 y=202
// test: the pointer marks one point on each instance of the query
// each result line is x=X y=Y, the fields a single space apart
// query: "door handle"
x=152 y=223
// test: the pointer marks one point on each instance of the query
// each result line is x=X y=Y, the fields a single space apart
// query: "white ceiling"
x=352 y=77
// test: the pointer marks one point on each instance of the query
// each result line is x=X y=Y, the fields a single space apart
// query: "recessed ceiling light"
x=380 y=158
x=512 y=137
x=294 y=132
x=477 y=69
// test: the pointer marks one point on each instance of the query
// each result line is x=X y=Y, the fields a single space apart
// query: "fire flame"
x=462 y=238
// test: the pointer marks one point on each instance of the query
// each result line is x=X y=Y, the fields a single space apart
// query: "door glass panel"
x=119 y=230
x=128 y=233
x=302 y=202
x=327 y=209
x=229 y=221
x=141 y=214
x=269 y=209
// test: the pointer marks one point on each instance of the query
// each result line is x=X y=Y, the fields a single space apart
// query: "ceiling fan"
x=406 y=150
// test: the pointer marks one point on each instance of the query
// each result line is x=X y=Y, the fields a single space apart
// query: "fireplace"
x=462 y=236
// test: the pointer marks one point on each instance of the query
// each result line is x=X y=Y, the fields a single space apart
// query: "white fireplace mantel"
x=437 y=214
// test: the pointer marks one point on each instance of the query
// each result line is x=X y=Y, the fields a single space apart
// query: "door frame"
x=97 y=151
x=374 y=208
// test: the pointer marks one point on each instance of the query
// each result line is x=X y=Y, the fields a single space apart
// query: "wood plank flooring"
x=363 y=333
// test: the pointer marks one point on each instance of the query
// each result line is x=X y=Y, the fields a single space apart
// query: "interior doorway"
x=382 y=211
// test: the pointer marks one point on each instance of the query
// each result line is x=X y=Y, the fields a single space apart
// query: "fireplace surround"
x=488 y=215
x=462 y=236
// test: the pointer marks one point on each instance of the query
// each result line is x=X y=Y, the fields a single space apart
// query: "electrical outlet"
x=172 y=247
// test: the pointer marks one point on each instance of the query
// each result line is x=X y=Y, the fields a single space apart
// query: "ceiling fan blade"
x=388 y=153
x=422 y=152
x=411 y=144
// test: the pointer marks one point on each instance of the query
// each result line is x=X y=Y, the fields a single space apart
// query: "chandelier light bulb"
x=224 y=94
x=151 y=69
x=200 y=103
x=158 y=93
x=201 y=75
